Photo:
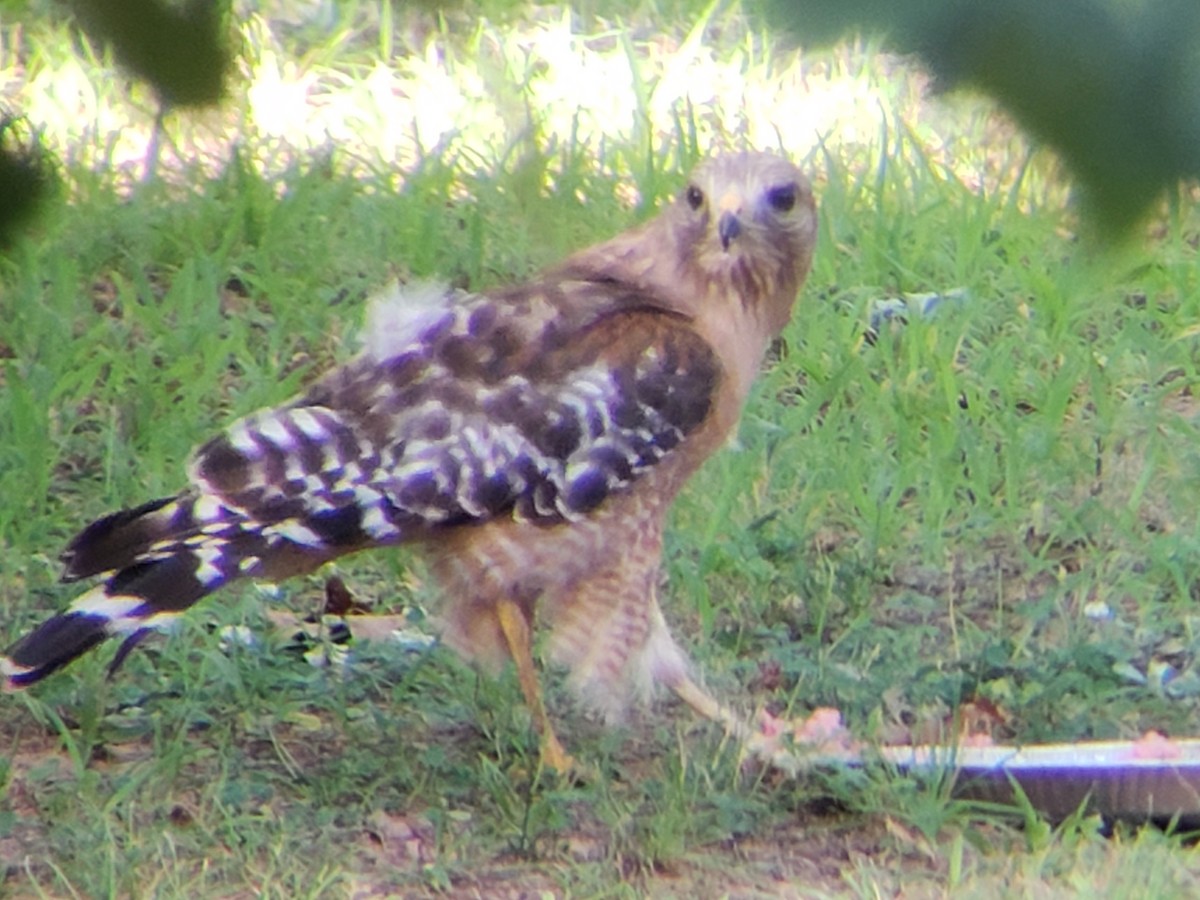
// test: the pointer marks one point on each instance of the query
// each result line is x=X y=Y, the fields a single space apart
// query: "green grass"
x=906 y=524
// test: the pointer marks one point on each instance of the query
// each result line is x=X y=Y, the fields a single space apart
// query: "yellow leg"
x=708 y=706
x=515 y=627
x=754 y=743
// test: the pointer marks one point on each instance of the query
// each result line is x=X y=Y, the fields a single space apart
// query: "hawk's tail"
x=157 y=560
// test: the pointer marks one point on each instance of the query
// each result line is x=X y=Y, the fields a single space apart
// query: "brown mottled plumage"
x=531 y=440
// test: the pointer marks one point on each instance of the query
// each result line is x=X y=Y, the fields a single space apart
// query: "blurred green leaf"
x=1112 y=85
x=26 y=174
x=178 y=48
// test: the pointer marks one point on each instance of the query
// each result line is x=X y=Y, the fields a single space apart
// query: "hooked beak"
x=728 y=228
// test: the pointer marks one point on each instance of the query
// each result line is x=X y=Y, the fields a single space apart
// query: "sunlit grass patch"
x=310 y=80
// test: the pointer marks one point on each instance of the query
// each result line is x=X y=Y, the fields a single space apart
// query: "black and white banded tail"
x=157 y=562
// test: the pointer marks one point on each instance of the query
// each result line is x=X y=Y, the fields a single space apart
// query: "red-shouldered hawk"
x=529 y=439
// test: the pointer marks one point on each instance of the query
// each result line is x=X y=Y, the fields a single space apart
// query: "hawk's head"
x=746 y=222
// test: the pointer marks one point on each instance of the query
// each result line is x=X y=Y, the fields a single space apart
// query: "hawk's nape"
x=529 y=440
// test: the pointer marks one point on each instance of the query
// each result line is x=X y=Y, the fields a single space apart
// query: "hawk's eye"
x=782 y=199
x=694 y=197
